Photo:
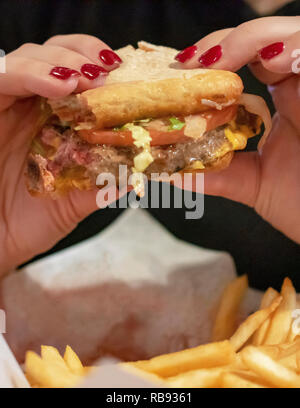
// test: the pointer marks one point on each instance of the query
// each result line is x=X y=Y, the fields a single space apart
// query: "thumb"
x=80 y=204
x=239 y=182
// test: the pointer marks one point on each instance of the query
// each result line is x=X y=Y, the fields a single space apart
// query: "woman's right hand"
x=64 y=64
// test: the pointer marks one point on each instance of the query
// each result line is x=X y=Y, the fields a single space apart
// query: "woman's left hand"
x=267 y=180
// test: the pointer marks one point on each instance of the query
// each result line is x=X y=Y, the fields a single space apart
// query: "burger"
x=151 y=116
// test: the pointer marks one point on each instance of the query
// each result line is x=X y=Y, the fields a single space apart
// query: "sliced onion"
x=255 y=104
x=195 y=126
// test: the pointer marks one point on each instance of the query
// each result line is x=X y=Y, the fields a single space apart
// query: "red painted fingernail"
x=211 y=56
x=92 y=71
x=109 y=57
x=64 y=72
x=270 y=51
x=186 y=54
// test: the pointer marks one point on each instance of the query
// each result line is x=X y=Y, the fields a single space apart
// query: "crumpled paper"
x=11 y=374
x=132 y=291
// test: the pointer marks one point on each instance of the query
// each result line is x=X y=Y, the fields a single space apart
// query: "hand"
x=31 y=225
x=267 y=180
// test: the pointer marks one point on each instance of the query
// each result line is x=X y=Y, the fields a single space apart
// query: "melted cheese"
x=142 y=139
x=237 y=136
x=196 y=165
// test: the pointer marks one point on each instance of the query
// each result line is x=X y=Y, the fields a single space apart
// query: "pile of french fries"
x=263 y=352
x=51 y=370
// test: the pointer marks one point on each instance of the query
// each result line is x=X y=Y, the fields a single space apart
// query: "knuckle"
x=83 y=37
x=55 y=38
x=27 y=46
x=254 y=25
x=60 y=54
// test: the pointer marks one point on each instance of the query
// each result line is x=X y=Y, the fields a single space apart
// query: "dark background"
x=258 y=249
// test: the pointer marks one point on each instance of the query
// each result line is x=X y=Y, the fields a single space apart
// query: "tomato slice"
x=214 y=118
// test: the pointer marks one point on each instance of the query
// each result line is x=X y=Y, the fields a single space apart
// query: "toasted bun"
x=149 y=83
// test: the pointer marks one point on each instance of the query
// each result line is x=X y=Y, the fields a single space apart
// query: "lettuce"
x=175 y=124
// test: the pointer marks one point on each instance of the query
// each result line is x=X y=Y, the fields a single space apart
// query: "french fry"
x=282 y=319
x=251 y=324
x=269 y=370
x=73 y=361
x=203 y=378
x=34 y=368
x=51 y=354
x=52 y=370
x=204 y=356
x=238 y=363
x=288 y=349
x=271 y=351
x=267 y=299
x=226 y=317
x=288 y=355
x=232 y=380
x=131 y=368
x=298 y=361
x=292 y=335
x=289 y=362
x=248 y=375
x=47 y=373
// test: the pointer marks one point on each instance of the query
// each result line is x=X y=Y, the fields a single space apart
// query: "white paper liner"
x=133 y=291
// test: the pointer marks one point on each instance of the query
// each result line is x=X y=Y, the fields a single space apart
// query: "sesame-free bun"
x=149 y=83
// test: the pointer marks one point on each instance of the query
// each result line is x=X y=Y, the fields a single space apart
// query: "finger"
x=188 y=58
x=282 y=57
x=239 y=182
x=242 y=45
x=90 y=47
x=264 y=75
x=278 y=61
x=286 y=98
x=26 y=77
x=92 y=75
x=6 y=101
x=80 y=204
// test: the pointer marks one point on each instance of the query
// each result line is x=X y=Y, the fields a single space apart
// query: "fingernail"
x=92 y=71
x=211 y=56
x=109 y=57
x=186 y=54
x=270 y=51
x=64 y=73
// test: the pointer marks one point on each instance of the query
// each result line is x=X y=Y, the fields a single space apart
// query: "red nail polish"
x=109 y=57
x=211 y=56
x=186 y=54
x=92 y=71
x=63 y=73
x=270 y=51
